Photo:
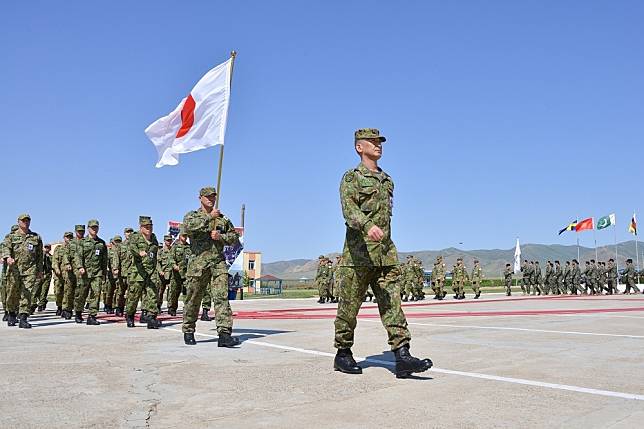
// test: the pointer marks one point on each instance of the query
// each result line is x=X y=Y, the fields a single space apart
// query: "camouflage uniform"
x=367 y=200
x=419 y=279
x=165 y=264
x=73 y=247
x=125 y=261
x=612 y=278
x=23 y=276
x=525 y=278
x=550 y=278
x=92 y=256
x=459 y=277
x=532 y=278
x=40 y=296
x=507 y=276
x=567 y=272
x=207 y=268
x=337 y=279
x=628 y=277
x=538 y=280
x=180 y=256
x=143 y=275
x=558 y=279
x=406 y=280
x=438 y=278
x=322 y=279
x=112 y=300
x=575 y=278
x=60 y=272
x=477 y=277
x=110 y=283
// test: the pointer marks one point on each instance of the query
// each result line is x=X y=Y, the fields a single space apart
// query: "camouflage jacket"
x=165 y=262
x=477 y=273
x=549 y=272
x=26 y=249
x=367 y=200
x=558 y=273
x=91 y=254
x=566 y=273
x=46 y=263
x=575 y=274
x=438 y=271
x=115 y=258
x=507 y=274
x=206 y=252
x=180 y=256
x=629 y=274
x=537 y=274
x=612 y=273
x=323 y=272
x=459 y=273
x=125 y=258
x=143 y=267
x=73 y=247
x=58 y=260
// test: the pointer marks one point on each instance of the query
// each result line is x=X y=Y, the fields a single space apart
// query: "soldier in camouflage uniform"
x=459 y=278
x=180 y=255
x=548 y=280
x=337 y=278
x=575 y=277
x=612 y=277
x=558 y=279
x=507 y=276
x=538 y=280
x=587 y=275
x=23 y=254
x=477 y=277
x=114 y=275
x=419 y=280
x=532 y=279
x=628 y=278
x=525 y=277
x=406 y=281
x=603 y=276
x=75 y=278
x=91 y=263
x=42 y=287
x=320 y=278
x=125 y=264
x=438 y=278
x=60 y=271
x=165 y=265
x=4 y=279
x=567 y=272
x=591 y=276
x=209 y=231
x=370 y=258
x=143 y=276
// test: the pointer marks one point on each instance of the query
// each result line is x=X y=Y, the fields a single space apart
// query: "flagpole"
x=577 y=234
x=233 y=54
x=616 y=262
x=595 y=238
x=637 y=257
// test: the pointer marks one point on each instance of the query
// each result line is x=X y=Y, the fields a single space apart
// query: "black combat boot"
x=5 y=317
x=344 y=362
x=321 y=300
x=440 y=297
x=32 y=309
x=206 y=318
x=130 y=320
x=189 y=339
x=172 y=312
x=404 y=298
x=12 y=319
x=477 y=295
x=67 y=314
x=79 y=317
x=406 y=364
x=144 y=316
x=119 y=312
x=23 y=322
x=153 y=322
x=91 y=320
x=41 y=308
x=227 y=340
x=59 y=311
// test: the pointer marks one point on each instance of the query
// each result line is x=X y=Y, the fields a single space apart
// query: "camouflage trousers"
x=41 y=291
x=508 y=287
x=437 y=286
x=163 y=285
x=19 y=290
x=3 y=289
x=121 y=291
x=476 y=286
x=109 y=290
x=216 y=280
x=144 y=291
x=629 y=285
x=59 y=289
x=524 y=285
x=88 y=290
x=575 y=287
x=324 y=288
x=176 y=284
x=385 y=286
x=458 y=286
x=69 y=291
x=206 y=301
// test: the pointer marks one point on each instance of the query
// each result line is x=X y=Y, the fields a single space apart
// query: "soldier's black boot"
x=32 y=309
x=91 y=320
x=79 y=317
x=321 y=300
x=227 y=340
x=67 y=314
x=153 y=322
x=23 y=321
x=130 y=320
x=59 y=311
x=12 y=319
x=406 y=364
x=189 y=339
x=344 y=362
x=172 y=312
x=144 y=316
x=119 y=312
x=205 y=317
x=404 y=298
x=477 y=295
x=5 y=317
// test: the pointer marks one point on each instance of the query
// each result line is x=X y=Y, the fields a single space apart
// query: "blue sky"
x=503 y=118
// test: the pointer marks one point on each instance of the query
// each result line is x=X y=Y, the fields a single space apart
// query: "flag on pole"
x=571 y=227
x=606 y=221
x=517 y=258
x=632 y=227
x=584 y=224
x=198 y=122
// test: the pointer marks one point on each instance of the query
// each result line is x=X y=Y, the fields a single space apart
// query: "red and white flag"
x=584 y=224
x=198 y=122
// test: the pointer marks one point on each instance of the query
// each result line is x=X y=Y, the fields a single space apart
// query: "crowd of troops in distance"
x=597 y=278
x=122 y=273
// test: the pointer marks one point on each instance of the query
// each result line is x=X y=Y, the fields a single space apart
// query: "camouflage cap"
x=79 y=228
x=369 y=133
x=321 y=257
x=14 y=228
x=182 y=231
x=117 y=239
x=129 y=229
x=167 y=237
x=145 y=220
x=92 y=222
x=207 y=191
x=24 y=216
x=68 y=234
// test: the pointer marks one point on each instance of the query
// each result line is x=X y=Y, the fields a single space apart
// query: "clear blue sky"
x=503 y=118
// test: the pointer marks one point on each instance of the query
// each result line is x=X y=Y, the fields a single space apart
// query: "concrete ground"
x=573 y=362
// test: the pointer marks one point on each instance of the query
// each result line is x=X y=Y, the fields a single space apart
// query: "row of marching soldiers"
x=597 y=278
x=86 y=268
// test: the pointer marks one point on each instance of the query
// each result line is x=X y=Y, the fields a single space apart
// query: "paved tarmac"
x=573 y=362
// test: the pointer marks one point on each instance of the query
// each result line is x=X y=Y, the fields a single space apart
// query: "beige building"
x=253 y=267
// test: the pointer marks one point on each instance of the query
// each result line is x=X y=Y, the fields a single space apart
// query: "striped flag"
x=632 y=227
x=584 y=225
x=571 y=227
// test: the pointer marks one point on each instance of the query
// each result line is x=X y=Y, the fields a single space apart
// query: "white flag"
x=198 y=122
x=517 y=258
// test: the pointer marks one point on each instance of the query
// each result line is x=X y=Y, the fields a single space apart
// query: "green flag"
x=606 y=221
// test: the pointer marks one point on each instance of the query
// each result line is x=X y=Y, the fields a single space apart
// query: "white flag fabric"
x=517 y=258
x=198 y=122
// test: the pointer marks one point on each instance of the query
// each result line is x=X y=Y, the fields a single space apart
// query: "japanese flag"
x=198 y=122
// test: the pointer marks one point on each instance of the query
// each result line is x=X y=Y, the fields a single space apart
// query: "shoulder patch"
x=349 y=176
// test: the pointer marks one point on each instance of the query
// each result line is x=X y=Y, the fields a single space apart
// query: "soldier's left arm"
x=228 y=234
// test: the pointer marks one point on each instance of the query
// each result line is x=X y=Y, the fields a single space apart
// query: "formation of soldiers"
x=597 y=278
x=123 y=273
x=328 y=279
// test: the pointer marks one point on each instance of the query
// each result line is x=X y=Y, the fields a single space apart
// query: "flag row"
x=602 y=222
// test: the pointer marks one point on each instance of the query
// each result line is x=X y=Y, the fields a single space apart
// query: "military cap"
x=145 y=220
x=167 y=237
x=79 y=228
x=207 y=191
x=182 y=231
x=92 y=222
x=24 y=216
x=368 y=133
x=117 y=239
x=629 y=261
x=321 y=257
x=14 y=228
x=128 y=229
x=476 y=260
x=68 y=234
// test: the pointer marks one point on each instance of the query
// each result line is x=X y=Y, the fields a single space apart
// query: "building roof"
x=268 y=277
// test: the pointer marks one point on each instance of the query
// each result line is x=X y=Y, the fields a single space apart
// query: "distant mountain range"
x=492 y=261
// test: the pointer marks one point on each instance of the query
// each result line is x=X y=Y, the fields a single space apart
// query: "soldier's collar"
x=365 y=171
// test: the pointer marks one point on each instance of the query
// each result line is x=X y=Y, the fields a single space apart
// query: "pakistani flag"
x=606 y=221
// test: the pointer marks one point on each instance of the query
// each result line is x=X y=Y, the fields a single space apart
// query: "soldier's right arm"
x=349 y=197
x=194 y=222
x=77 y=254
x=115 y=259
